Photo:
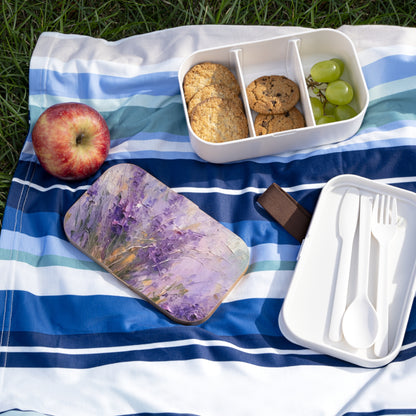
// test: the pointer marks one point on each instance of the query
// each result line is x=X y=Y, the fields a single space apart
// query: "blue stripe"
x=395 y=108
x=184 y=353
x=389 y=68
x=191 y=173
x=382 y=163
x=375 y=163
x=94 y=86
x=146 y=337
x=42 y=224
x=387 y=412
x=51 y=246
x=153 y=154
x=130 y=321
x=75 y=311
x=114 y=314
x=137 y=123
x=257 y=315
x=132 y=120
x=38 y=246
x=88 y=86
x=390 y=126
x=161 y=414
x=17 y=412
x=158 y=135
x=120 y=157
x=57 y=200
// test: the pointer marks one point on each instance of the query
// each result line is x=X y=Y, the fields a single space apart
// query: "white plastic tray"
x=306 y=311
x=292 y=56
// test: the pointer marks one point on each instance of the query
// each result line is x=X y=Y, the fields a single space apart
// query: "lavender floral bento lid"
x=157 y=242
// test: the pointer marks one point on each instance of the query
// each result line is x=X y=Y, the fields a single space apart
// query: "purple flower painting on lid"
x=157 y=242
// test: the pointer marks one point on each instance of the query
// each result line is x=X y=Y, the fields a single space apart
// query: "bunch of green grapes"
x=330 y=95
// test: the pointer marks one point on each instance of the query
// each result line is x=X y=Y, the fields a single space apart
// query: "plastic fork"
x=383 y=228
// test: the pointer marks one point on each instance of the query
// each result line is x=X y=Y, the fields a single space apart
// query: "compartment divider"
x=236 y=56
x=293 y=58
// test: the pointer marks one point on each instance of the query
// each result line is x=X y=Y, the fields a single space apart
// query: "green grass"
x=24 y=20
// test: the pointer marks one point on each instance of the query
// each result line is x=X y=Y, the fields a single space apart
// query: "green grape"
x=317 y=108
x=344 y=112
x=325 y=71
x=326 y=119
x=339 y=92
x=340 y=63
x=329 y=109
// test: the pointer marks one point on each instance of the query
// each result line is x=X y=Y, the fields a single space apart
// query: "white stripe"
x=105 y=104
x=249 y=189
x=214 y=189
x=370 y=55
x=373 y=136
x=183 y=189
x=398 y=136
x=49 y=188
x=134 y=67
x=131 y=146
x=43 y=281
x=391 y=88
x=155 y=345
x=165 y=345
x=55 y=246
x=353 y=143
x=265 y=284
x=201 y=387
x=408 y=346
x=82 y=282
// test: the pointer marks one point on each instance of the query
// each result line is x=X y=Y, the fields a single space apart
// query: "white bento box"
x=312 y=304
x=292 y=56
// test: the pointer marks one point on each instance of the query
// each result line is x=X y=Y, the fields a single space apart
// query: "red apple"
x=71 y=140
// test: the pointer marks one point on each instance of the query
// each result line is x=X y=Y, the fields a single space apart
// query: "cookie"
x=272 y=123
x=219 y=120
x=213 y=90
x=206 y=73
x=272 y=94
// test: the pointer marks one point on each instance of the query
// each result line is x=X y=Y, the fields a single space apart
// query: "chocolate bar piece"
x=292 y=216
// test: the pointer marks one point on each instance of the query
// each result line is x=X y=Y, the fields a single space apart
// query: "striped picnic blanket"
x=75 y=341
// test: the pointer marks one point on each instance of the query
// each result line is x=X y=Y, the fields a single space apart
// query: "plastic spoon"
x=360 y=322
x=347 y=224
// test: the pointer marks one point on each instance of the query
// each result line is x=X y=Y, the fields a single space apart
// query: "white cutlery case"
x=308 y=306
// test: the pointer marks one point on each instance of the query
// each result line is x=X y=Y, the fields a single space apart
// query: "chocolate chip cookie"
x=272 y=123
x=272 y=94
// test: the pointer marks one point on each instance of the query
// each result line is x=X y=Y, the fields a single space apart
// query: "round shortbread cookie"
x=206 y=73
x=213 y=90
x=272 y=94
x=272 y=123
x=219 y=120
